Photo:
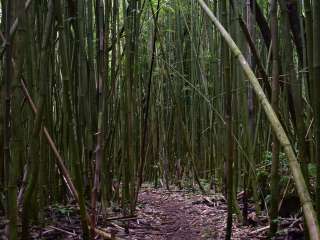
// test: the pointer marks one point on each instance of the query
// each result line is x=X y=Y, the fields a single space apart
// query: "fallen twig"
x=62 y=230
x=127 y=218
x=259 y=230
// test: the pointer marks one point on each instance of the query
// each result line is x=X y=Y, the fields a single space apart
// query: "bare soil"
x=161 y=215
x=181 y=215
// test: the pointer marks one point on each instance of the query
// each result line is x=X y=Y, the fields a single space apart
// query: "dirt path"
x=179 y=215
x=165 y=215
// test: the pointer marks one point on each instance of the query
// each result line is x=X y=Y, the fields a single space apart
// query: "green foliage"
x=164 y=6
x=312 y=169
x=267 y=157
x=63 y=209
x=261 y=175
x=267 y=160
x=284 y=179
x=205 y=183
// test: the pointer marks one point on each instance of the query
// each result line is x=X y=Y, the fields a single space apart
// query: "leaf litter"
x=165 y=215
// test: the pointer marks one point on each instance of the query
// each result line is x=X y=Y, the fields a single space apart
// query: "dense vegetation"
x=98 y=97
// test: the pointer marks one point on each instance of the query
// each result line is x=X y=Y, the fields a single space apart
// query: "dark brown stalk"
x=146 y=109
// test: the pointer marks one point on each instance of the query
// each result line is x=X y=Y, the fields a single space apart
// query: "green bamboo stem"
x=10 y=164
x=13 y=29
x=253 y=49
x=59 y=161
x=273 y=212
x=309 y=45
x=146 y=113
x=226 y=73
x=316 y=99
x=37 y=128
x=300 y=184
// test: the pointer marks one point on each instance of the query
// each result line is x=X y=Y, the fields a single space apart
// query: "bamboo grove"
x=98 y=97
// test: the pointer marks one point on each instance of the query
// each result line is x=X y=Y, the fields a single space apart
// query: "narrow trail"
x=181 y=215
x=166 y=215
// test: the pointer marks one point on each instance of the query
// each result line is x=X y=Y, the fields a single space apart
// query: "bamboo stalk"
x=13 y=28
x=146 y=113
x=254 y=51
x=274 y=188
x=30 y=191
x=309 y=212
x=59 y=161
x=10 y=163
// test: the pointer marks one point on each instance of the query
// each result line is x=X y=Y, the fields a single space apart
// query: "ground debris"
x=182 y=215
x=162 y=214
x=185 y=215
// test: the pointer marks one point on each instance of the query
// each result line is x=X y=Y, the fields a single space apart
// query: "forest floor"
x=176 y=215
x=162 y=214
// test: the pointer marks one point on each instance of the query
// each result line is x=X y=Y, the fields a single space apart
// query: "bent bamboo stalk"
x=300 y=184
x=59 y=161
